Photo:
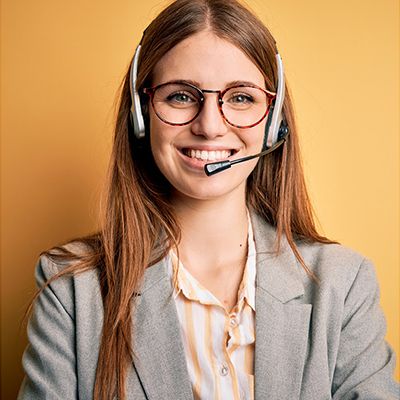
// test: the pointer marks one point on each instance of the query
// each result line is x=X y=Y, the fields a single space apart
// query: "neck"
x=213 y=231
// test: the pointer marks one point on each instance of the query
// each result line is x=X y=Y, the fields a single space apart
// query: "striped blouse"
x=219 y=345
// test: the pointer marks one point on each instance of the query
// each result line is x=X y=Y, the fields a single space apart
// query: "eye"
x=181 y=97
x=241 y=98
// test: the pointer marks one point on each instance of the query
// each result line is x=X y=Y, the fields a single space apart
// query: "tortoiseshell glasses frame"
x=270 y=96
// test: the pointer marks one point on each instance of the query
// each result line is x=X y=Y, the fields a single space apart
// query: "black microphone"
x=219 y=166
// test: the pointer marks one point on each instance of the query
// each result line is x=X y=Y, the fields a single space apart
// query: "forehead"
x=209 y=60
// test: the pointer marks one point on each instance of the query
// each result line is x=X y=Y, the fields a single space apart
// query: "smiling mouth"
x=205 y=155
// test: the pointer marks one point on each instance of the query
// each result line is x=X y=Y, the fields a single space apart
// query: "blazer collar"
x=159 y=362
x=281 y=327
x=278 y=274
x=282 y=318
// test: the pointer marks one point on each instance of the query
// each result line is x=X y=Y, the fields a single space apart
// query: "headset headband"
x=136 y=109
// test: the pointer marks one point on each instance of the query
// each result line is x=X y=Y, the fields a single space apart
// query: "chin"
x=211 y=188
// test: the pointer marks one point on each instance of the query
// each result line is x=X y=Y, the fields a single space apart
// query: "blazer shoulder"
x=337 y=265
x=56 y=261
x=330 y=254
x=333 y=264
x=59 y=258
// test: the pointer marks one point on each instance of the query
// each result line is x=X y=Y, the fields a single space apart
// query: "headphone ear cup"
x=283 y=130
x=137 y=117
x=144 y=104
x=267 y=126
x=146 y=121
x=140 y=113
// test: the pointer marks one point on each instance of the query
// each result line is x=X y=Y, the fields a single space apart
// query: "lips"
x=208 y=155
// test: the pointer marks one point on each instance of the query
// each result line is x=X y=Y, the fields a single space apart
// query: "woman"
x=206 y=285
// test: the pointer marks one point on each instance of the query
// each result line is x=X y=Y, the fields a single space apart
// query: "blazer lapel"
x=282 y=327
x=157 y=345
x=282 y=321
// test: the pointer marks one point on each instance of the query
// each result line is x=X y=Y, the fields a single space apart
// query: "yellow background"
x=61 y=64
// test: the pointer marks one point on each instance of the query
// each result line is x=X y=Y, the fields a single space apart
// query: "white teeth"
x=208 y=155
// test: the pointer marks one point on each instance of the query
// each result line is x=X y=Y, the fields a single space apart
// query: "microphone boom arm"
x=218 y=166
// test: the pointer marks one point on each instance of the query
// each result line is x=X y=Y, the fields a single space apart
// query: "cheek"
x=161 y=144
x=158 y=140
x=254 y=137
x=157 y=133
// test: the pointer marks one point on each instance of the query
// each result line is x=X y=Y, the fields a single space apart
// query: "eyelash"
x=172 y=95
x=246 y=96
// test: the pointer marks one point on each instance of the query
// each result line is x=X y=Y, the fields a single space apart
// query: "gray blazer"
x=312 y=342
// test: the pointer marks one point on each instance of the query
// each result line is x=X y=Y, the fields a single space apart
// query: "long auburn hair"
x=136 y=212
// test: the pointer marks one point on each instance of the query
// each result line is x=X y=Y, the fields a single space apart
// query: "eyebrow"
x=229 y=84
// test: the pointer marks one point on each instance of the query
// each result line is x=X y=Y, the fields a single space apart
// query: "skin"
x=211 y=210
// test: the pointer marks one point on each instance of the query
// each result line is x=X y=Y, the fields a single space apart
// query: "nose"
x=209 y=123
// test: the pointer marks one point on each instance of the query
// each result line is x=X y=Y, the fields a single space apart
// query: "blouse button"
x=224 y=370
x=233 y=322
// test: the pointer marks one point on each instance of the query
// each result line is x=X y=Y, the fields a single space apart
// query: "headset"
x=136 y=113
x=276 y=128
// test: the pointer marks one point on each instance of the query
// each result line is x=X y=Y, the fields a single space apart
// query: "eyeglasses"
x=179 y=103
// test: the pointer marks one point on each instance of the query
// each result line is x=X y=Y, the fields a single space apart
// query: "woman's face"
x=180 y=152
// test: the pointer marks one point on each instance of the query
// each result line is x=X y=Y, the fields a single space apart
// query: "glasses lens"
x=176 y=103
x=245 y=106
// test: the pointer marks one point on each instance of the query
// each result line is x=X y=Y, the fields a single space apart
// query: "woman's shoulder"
x=65 y=273
x=61 y=258
x=330 y=254
x=340 y=269
x=331 y=262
